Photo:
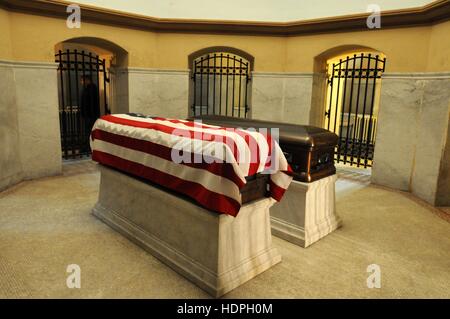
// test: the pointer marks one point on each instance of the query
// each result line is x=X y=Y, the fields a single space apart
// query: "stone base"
x=216 y=252
x=306 y=213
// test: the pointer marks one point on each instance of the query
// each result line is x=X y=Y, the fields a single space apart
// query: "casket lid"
x=301 y=136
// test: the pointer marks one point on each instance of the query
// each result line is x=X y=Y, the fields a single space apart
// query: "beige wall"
x=35 y=37
x=418 y=49
x=173 y=49
x=394 y=43
x=439 y=48
x=5 y=37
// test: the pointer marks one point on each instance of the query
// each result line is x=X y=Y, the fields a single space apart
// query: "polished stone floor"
x=46 y=224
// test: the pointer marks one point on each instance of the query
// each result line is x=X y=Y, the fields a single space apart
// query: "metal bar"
x=107 y=110
x=83 y=122
x=357 y=108
x=337 y=97
x=349 y=112
x=247 y=79
x=194 y=76
x=78 y=115
x=234 y=83
x=207 y=85
x=370 y=128
x=374 y=134
x=201 y=86
x=63 y=109
x=226 y=91
x=97 y=70
x=369 y=57
x=370 y=77
x=70 y=115
x=88 y=133
x=221 y=70
x=240 y=86
x=214 y=85
x=331 y=97
x=342 y=110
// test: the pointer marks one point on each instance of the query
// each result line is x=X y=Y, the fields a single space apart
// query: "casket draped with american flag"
x=204 y=162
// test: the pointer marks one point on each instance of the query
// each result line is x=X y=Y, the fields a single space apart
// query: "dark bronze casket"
x=308 y=149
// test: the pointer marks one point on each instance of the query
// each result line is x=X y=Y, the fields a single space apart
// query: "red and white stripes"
x=207 y=163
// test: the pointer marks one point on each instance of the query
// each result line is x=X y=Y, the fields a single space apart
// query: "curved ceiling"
x=250 y=10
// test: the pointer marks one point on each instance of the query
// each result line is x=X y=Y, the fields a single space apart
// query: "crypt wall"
x=443 y=187
x=10 y=165
x=411 y=136
x=285 y=84
x=413 y=123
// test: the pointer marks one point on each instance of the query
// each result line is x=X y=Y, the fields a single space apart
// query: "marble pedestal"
x=216 y=252
x=306 y=213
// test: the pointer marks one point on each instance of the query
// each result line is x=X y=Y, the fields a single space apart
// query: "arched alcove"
x=346 y=93
x=320 y=61
x=247 y=56
x=319 y=90
x=120 y=54
x=91 y=83
x=220 y=81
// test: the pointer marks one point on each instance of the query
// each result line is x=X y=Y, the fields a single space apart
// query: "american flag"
x=204 y=162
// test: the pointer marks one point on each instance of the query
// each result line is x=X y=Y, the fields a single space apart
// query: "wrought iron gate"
x=353 y=84
x=83 y=81
x=220 y=85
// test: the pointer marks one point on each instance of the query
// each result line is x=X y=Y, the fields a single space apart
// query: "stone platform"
x=216 y=252
x=306 y=212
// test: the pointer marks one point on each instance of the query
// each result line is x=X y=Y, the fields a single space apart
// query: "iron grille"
x=83 y=83
x=353 y=84
x=220 y=85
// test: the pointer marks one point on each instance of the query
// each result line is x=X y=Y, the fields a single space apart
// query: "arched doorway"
x=220 y=82
x=351 y=101
x=353 y=98
x=86 y=86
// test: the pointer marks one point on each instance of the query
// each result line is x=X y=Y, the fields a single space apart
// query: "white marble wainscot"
x=397 y=132
x=216 y=252
x=10 y=165
x=281 y=97
x=306 y=213
x=38 y=118
x=318 y=99
x=159 y=92
x=432 y=139
x=411 y=133
x=119 y=90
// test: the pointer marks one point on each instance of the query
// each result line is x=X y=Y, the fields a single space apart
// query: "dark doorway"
x=352 y=107
x=83 y=81
x=220 y=84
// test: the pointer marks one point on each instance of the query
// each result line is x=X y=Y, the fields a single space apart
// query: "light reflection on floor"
x=351 y=179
